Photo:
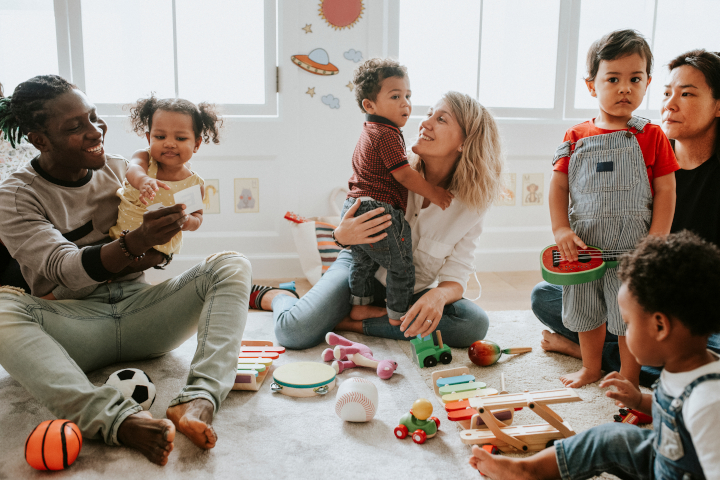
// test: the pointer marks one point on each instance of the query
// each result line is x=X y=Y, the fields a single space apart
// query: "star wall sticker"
x=350 y=86
x=307 y=28
x=311 y=92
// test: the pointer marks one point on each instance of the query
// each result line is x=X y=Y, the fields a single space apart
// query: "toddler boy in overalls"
x=607 y=166
x=669 y=301
x=381 y=178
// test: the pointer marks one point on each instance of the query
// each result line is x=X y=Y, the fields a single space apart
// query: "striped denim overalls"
x=674 y=451
x=610 y=208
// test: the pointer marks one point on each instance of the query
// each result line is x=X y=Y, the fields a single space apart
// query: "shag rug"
x=266 y=435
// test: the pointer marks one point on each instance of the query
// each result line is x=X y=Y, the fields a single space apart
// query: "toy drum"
x=303 y=379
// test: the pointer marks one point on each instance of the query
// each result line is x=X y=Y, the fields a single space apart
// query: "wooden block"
x=261 y=361
x=535 y=436
x=481 y=392
x=441 y=382
x=461 y=387
x=515 y=400
x=270 y=355
x=458 y=415
x=256 y=343
x=261 y=349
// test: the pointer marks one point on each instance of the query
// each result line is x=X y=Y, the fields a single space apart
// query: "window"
x=24 y=56
x=526 y=58
x=118 y=52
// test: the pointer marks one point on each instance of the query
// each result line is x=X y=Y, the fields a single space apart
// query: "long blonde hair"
x=476 y=179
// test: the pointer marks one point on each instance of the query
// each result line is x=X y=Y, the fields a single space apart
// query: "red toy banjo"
x=591 y=265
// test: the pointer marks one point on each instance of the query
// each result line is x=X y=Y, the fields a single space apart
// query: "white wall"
x=304 y=153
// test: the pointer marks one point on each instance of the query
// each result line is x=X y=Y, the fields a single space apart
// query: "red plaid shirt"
x=379 y=152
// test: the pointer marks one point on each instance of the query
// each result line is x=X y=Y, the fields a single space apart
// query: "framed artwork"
x=533 y=186
x=508 y=193
x=212 y=197
x=247 y=191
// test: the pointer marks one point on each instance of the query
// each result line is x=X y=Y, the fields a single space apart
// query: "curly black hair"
x=205 y=118
x=24 y=111
x=678 y=275
x=369 y=76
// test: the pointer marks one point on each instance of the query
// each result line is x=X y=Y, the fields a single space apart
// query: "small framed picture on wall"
x=247 y=191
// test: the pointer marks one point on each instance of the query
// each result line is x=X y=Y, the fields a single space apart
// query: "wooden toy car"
x=417 y=422
x=427 y=354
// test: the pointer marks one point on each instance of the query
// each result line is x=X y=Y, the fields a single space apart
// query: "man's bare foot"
x=581 y=378
x=363 y=312
x=554 y=342
x=154 y=438
x=194 y=419
x=266 y=302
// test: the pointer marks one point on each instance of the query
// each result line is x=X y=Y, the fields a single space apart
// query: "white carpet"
x=265 y=435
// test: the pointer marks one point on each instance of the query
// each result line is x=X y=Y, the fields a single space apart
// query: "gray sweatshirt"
x=55 y=228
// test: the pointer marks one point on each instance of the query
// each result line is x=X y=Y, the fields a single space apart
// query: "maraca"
x=484 y=352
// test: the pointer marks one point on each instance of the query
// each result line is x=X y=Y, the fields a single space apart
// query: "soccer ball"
x=134 y=383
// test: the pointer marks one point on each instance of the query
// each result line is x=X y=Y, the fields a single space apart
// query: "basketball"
x=53 y=445
x=356 y=400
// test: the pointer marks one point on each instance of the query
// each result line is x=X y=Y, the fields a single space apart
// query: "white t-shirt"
x=701 y=412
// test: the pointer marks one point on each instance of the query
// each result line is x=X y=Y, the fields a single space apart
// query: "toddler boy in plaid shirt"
x=381 y=178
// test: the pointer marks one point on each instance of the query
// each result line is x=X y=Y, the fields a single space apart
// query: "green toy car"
x=417 y=422
x=427 y=354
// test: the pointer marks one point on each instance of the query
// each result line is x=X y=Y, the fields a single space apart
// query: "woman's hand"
x=360 y=230
x=424 y=315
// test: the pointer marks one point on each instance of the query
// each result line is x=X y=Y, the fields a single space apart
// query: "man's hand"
x=567 y=243
x=158 y=228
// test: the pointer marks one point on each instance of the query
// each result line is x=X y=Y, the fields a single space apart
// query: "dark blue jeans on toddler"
x=393 y=252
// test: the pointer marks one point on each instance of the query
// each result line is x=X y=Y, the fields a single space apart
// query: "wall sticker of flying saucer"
x=316 y=62
x=341 y=14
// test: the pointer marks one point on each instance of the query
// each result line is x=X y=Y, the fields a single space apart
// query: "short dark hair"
x=24 y=111
x=369 y=76
x=205 y=118
x=709 y=65
x=679 y=276
x=614 y=45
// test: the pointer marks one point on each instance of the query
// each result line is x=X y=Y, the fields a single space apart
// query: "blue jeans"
x=623 y=450
x=303 y=323
x=393 y=252
x=47 y=345
x=546 y=301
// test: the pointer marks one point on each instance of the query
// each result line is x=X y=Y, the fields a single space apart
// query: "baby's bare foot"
x=581 y=378
x=363 y=312
x=497 y=467
x=194 y=419
x=154 y=438
x=554 y=342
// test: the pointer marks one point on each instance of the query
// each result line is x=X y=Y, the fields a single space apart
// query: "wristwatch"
x=338 y=243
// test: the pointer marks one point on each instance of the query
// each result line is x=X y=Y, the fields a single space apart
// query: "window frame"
x=567 y=66
x=68 y=28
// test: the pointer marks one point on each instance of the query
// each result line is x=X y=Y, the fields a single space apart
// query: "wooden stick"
x=439 y=337
x=517 y=350
x=503 y=391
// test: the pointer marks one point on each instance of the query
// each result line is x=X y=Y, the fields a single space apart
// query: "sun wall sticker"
x=341 y=14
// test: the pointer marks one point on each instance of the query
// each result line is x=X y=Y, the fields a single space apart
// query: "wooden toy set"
x=455 y=387
x=254 y=361
x=519 y=438
x=427 y=354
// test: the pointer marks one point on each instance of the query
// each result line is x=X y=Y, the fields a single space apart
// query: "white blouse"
x=443 y=242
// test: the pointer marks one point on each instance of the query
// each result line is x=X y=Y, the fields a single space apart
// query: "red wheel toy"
x=437 y=421
x=401 y=431
x=419 y=437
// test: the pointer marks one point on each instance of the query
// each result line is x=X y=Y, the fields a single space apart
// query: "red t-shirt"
x=655 y=146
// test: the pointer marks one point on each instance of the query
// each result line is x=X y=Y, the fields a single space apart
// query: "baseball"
x=356 y=400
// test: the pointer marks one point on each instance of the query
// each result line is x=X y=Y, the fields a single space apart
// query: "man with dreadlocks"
x=55 y=214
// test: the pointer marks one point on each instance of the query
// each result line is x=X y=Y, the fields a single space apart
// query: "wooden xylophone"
x=254 y=361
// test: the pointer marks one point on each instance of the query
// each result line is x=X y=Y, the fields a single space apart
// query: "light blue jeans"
x=303 y=323
x=48 y=345
x=623 y=450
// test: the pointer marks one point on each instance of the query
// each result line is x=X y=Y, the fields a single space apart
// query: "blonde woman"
x=458 y=148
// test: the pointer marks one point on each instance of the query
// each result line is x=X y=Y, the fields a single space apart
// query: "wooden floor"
x=500 y=290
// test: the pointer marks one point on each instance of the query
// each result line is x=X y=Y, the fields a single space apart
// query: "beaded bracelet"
x=336 y=242
x=124 y=247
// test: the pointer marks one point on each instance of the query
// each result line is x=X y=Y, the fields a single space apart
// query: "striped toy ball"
x=53 y=445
